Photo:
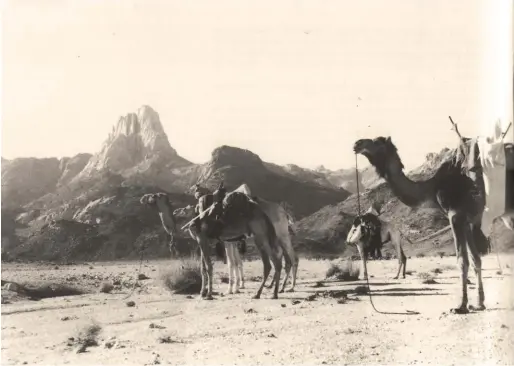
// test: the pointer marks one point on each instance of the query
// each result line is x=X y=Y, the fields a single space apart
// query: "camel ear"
x=388 y=139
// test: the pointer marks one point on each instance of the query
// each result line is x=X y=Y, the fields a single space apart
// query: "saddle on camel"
x=213 y=220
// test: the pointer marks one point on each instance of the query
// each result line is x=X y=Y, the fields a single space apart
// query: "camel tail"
x=242 y=247
x=220 y=250
x=272 y=234
x=481 y=241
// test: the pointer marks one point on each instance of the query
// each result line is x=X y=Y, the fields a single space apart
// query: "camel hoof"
x=274 y=297
x=476 y=308
x=290 y=290
x=242 y=287
x=256 y=297
x=208 y=297
x=228 y=293
x=281 y=291
x=395 y=278
x=461 y=310
x=237 y=292
x=203 y=293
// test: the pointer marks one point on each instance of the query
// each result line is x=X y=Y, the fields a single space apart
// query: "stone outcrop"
x=136 y=142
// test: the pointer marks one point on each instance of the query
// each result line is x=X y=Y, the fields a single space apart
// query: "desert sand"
x=166 y=328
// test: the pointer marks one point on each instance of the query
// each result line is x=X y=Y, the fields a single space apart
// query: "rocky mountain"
x=88 y=206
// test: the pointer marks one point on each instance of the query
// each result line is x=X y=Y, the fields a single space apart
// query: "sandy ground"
x=235 y=329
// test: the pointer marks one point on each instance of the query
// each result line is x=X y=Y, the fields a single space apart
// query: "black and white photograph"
x=234 y=182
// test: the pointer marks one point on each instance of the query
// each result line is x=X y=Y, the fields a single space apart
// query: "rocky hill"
x=87 y=206
x=237 y=166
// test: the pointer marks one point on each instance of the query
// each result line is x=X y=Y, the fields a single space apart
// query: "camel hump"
x=237 y=205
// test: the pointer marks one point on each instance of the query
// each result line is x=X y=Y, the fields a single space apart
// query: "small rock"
x=283 y=305
x=130 y=304
x=156 y=326
x=250 y=311
x=56 y=267
x=271 y=335
x=295 y=302
x=142 y=277
x=504 y=326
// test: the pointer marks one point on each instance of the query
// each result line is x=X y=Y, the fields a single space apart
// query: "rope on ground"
x=407 y=312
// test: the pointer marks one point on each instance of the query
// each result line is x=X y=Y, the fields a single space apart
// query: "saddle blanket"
x=497 y=160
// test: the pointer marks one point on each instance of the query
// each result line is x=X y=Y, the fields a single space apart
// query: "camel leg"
x=476 y=261
x=230 y=265
x=235 y=273
x=404 y=260
x=240 y=281
x=203 y=272
x=206 y=267
x=276 y=258
x=459 y=226
x=287 y=270
x=266 y=270
x=295 y=271
x=272 y=282
x=362 y=253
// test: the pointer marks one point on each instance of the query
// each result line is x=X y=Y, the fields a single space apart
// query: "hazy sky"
x=293 y=81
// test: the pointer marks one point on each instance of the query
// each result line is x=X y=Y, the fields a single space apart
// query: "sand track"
x=237 y=330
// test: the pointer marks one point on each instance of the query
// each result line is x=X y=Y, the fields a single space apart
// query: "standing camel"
x=230 y=251
x=282 y=222
x=368 y=232
x=454 y=189
x=239 y=216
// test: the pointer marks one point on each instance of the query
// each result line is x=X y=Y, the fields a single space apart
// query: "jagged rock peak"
x=147 y=125
x=137 y=137
x=228 y=155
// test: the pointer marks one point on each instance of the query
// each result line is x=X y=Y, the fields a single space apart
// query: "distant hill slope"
x=237 y=166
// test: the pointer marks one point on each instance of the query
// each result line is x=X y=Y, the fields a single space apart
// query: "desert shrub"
x=183 y=278
x=86 y=337
x=106 y=288
x=426 y=278
x=345 y=271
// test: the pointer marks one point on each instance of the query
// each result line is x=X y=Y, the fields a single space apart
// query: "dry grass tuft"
x=86 y=337
x=106 y=288
x=184 y=278
x=426 y=278
x=345 y=271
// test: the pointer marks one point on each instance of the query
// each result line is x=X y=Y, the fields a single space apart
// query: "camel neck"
x=409 y=192
x=166 y=218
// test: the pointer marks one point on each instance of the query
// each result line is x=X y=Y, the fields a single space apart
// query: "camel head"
x=162 y=202
x=379 y=151
x=363 y=228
